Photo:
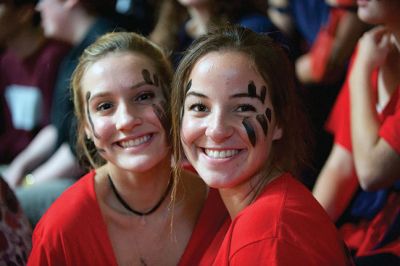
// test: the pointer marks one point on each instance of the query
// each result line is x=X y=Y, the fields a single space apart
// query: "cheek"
x=191 y=129
x=103 y=127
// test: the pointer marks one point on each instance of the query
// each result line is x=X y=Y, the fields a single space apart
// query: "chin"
x=217 y=181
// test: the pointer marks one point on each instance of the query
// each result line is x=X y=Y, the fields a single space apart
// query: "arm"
x=62 y=164
x=332 y=49
x=336 y=184
x=281 y=19
x=38 y=150
x=377 y=163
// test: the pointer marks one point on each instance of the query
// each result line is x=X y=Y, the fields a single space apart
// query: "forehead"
x=228 y=70
x=116 y=70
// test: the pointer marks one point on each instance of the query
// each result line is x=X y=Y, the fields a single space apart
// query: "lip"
x=134 y=142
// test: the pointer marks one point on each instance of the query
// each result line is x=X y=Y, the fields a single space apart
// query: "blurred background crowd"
x=41 y=42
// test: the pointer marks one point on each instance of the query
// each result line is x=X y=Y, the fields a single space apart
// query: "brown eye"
x=104 y=106
x=198 y=107
x=246 y=108
x=145 y=96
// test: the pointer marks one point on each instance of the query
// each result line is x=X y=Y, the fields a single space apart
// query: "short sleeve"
x=339 y=120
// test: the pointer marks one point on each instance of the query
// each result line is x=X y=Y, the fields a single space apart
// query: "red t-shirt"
x=364 y=236
x=284 y=226
x=73 y=231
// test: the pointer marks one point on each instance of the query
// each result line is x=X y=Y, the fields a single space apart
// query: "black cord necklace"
x=123 y=202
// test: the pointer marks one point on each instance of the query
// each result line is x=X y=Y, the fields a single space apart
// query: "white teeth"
x=218 y=154
x=134 y=142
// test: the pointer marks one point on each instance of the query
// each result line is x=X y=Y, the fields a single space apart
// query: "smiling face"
x=124 y=105
x=228 y=122
x=54 y=15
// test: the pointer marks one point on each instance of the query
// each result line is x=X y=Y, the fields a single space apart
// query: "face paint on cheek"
x=250 y=131
x=161 y=115
x=89 y=116
x=263 y=122
x=268 y=113
x=101 y=150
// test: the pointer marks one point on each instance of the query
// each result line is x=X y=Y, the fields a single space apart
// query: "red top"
x=364 y=235
x=73 y=231
x=284 y=226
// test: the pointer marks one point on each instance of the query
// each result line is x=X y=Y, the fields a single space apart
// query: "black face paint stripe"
x=268 y=113
x=263 y=94
x=188 y=86
x=89 y=117
x=252 y=89
x=181 y=114
x=146 y=76
x=250 y=131
x=252 y=92
x=263 y=122
x=160 y=113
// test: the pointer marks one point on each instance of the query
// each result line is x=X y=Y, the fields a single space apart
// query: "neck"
x=199 y=19
x=141 y=191
x=240 y=196
x=81 y=24
x=27 y=42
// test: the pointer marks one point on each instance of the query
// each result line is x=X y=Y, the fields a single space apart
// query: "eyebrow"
x=196 y=94
x=241 y=95
x=103 y=94
x=139 y=84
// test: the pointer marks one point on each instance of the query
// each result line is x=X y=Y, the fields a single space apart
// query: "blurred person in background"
x=359 y=184
x=323 y=34
x=49 y=165
x=182 y=21
x=28 y=70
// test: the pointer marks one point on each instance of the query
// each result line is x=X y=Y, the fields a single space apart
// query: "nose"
x=125 y=118
x=218 y=127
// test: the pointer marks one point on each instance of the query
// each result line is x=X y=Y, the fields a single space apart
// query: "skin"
x=110 y=112
x=221 y=135
x=126 y=109
x=373 y=160
x=54 y=15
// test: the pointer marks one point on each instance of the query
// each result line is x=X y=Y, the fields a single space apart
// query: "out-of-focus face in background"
x=54 y=15
x=379 y=11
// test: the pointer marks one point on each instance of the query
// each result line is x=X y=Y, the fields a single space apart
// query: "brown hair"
x=106 y=44
x=290 y=152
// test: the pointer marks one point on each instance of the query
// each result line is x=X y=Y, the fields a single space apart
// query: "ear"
x=278 y=132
